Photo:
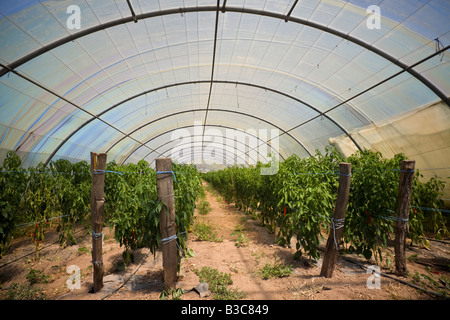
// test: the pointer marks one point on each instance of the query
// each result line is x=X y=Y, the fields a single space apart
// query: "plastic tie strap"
x=394 y=218
x=400 y=170
x=95 y=171
x=336 y=224
x=173 y=173
x=169 y=239
x=99 y=263
x=96 y=235
x=432 y=209
x=321 y=173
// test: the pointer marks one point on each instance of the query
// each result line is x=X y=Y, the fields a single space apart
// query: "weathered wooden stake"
x=403 y=206
x=331 y=251
x=98 y=165
x=164 y=184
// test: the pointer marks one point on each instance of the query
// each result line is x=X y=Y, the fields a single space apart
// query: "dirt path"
x=143 y=279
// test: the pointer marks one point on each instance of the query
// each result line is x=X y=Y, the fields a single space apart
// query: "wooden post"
x=98 y=165
x=403 y=205
x=337 y=225
x=164 y=183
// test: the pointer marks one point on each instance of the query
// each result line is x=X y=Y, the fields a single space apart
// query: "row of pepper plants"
x=298 y=201
x=133 y=210
x=36 y=198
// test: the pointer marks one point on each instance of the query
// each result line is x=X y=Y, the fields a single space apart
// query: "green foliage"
x=276 y=270
x=427 y=194
x=24 y=292
x=29 y=290
x=439 y=283
x=73 y=196
x=133 y=208
x=175 y=293
x=299 y=200
x=203 y=207
x=36 y=196
x=35 y=276
x=12 y=188
x=40 y=194
x=373 y=191
x=205 y=232
x=241 y=240
x=218 y=283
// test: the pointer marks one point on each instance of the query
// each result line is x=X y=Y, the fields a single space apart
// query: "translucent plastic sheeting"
x=251 y=145
x=423 y=134
x=313 y=70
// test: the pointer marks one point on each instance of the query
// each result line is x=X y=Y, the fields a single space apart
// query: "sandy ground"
x=142 y=280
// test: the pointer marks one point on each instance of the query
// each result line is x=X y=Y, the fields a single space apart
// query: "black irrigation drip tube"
x=436 y=294
x=34 y=252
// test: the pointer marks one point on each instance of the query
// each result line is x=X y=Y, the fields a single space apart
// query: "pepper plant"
x=299 y=200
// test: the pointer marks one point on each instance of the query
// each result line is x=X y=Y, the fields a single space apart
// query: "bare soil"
x=142 y=280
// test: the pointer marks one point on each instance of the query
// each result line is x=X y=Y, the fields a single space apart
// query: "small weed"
x=241 y=240
x=176 y=294
x=239 y=228
x=258 y=255
x=244 y=218
x=35 y=276
x=28 y=291
x=205 y=232
x=24 y=292
x=202 y=193
x=203 y=207
x=440 y=283
x=218 y=283
x=83 y=250
x=413 y=257
x=276 y=270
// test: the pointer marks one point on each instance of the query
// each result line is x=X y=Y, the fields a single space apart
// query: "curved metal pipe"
x=190 y=126
x=204 y=81
x=192 y=142
x=224 y=9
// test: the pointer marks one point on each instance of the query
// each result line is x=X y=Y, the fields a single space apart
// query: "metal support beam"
x=212 y=65
x=319 y=113
x=191 y=126
x=213 y=110
x=71 y=103
x=133 y=15
x=192 y=142
x=225 y=158
x=301 y=21
x=290 y=11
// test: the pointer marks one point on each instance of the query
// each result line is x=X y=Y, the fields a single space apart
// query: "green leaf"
x=367 y=254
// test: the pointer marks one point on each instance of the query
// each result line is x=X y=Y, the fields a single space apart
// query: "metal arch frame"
x=198 y=153
x=208 y=81
x=191 y=143
x=210 y=110
x=224 y=9
x=223 y=153
x=191 y=126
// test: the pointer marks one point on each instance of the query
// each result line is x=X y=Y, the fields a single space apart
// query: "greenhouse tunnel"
x=223 y=82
